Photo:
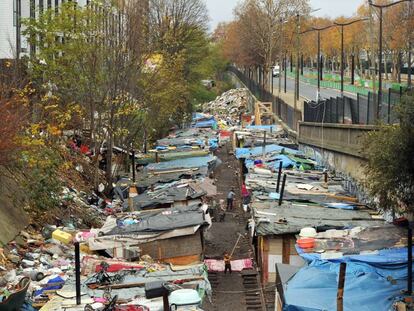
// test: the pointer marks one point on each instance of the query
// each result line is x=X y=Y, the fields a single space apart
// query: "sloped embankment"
x=12 y=201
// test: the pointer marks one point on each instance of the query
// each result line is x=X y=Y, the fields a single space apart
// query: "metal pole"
x=380 y=66
x=301 y=64
x=342 y=61
x=353 y=68
x=319 y=67
x=145 y=141
x=271 y=77
x=282 y=190
x=278 y=176
x=18 y=18
x=77 y=274
x=133 y=166
x=285 y=72
x=264 y=146
x=297 y=61
x=409 y=46
x=281 y=56
x=410 y=260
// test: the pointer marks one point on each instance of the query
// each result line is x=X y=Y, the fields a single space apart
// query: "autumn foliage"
x=13 y=118
x=259 y=39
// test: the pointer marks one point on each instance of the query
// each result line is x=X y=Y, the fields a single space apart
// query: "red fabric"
x=245 y=192
x=84 y=149
x=225 y=133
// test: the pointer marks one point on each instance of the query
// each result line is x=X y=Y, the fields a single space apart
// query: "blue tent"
x=314 y=288
x=248 y=152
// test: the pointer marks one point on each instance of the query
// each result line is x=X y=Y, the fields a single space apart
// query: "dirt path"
x=229 y=291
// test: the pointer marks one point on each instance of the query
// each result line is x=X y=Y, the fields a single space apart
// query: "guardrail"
x=355 y=89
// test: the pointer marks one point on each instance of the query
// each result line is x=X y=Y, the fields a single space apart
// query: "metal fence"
x=285 y=112
x=365 y=109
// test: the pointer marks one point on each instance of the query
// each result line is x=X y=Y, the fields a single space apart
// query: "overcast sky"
x=222 y=10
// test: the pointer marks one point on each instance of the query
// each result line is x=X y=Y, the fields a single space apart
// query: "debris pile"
x=305 y=222
x=230 y=105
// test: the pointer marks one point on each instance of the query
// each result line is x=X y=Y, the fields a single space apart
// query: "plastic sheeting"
x=211 y=122
x=341 y=206
x=267 y=128
x=315 y=288
x=384 y=263
x=248 y=152
x=274 y=162
x=182 y=163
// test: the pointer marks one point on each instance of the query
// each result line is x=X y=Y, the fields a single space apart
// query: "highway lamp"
x=342 y=25
x=297 y=61
x=319 y=55
x=381 y=7
x=281 y=56
x=297 y=56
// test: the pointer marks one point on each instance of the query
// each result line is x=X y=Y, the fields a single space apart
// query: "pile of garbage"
x=230 y=104
x=38 y=271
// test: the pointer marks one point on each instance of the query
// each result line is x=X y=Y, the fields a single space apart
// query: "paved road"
x=308 y=91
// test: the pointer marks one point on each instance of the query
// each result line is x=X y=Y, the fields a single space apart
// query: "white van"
x=276 y=71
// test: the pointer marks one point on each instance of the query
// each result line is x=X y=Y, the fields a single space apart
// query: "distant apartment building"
x=12 y=42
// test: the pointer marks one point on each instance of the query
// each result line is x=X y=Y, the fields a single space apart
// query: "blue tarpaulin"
x=248 y=152
x=213 y=143
x=210 y=122
x=55 y=283
x=198 y=116
x=268 y=128
x=385 y=262
x=315 y=288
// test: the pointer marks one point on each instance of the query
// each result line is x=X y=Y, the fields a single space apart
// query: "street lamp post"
x=342 y=25
x=319 y=55
x=281 y=55
x=381 y=7
x=285 y=71
x=409 y=46
x=297 y=61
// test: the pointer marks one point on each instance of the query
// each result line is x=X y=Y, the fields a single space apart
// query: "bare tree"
x=260 y=22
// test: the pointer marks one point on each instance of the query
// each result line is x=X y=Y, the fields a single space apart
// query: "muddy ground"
x=228 y=290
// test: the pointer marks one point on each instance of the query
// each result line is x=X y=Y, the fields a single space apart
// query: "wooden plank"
x=341 y=285
x=286 y=249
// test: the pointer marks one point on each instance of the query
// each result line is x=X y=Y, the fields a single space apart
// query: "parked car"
x=276 y=71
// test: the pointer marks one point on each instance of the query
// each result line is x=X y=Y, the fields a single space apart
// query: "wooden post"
x=166 y=303
x=341 y=285
x=264 y=146
x=157 y=158
x=133 y=192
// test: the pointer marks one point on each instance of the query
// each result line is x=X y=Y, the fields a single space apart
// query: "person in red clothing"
x=245 y=195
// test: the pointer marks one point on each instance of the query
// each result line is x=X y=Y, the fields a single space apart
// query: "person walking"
x=227 y=263
x=230 y=199
x=222 y=211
